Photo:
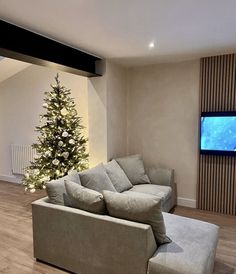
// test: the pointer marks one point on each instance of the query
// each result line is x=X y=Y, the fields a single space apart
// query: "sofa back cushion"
x=85 y=198
x=143 y=208
x=134 y=169
x=56 y=189
x=161 y=176
x=117 y=176
x=97 y=179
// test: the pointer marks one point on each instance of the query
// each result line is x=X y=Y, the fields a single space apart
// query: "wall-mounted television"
x=218 y=133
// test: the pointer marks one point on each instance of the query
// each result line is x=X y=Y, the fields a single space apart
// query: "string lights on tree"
x=61 y=145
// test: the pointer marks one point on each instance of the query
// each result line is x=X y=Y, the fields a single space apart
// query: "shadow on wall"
x=97 y=116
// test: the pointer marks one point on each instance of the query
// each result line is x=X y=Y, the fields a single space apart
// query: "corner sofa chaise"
x=88 y=243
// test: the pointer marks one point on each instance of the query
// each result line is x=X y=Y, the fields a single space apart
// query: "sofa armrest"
x=84 y=242
x=161 y=176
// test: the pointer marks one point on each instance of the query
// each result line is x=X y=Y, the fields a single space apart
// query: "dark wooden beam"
x=27 y=46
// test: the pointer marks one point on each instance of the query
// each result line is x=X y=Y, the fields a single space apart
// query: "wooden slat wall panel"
x=217 y=182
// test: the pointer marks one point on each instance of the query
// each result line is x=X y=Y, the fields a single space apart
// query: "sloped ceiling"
x=9 y=67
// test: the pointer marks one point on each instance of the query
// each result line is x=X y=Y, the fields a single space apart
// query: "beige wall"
x=116 y=111
x=21 y=99
x=97 y=101
x=107 y=114
x=163 y=113
x=151 y=110
x=101 y=101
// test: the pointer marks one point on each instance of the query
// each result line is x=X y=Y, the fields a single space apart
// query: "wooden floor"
x=16 y=247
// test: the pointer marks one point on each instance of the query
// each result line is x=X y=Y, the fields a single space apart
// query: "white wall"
x=21 y=99
x=163 y=113
x=107 y=114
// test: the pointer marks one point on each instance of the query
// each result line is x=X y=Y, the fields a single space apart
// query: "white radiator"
x=21 y=156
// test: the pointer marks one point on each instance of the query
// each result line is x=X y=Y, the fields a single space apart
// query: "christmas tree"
x=61 y=146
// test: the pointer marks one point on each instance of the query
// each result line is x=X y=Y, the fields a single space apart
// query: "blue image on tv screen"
x=218 y=133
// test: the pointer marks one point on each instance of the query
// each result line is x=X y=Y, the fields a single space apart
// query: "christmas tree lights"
x=61 y=146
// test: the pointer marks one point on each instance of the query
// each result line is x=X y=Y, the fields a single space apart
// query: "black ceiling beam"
x=27 y=46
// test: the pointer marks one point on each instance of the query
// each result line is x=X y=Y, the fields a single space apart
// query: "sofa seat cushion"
x=192 y=250
x=163 y=192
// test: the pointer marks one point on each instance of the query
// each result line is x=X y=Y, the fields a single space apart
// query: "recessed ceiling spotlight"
x=151 y=45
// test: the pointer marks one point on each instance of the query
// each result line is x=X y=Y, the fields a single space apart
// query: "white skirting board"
x=186 y=202
x=11 y=179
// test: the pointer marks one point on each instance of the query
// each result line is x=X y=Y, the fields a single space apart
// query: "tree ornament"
x=64 y=112
x=60 y=143
x=48 y=153
x=71 y=141
x=65 y=154
x=56 y=162
x=65 y=134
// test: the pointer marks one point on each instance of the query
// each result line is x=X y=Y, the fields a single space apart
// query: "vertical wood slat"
x=217 y=182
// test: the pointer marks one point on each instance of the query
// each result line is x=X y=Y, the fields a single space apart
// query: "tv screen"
x=218 y=133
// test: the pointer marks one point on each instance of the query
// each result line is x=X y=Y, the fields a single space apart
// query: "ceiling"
x=122 y=29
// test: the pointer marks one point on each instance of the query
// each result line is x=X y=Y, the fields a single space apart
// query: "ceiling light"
x=151 y=45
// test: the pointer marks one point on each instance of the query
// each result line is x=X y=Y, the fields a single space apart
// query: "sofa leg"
x=172 y=210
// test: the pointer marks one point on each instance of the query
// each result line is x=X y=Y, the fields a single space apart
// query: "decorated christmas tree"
x=61 y=146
